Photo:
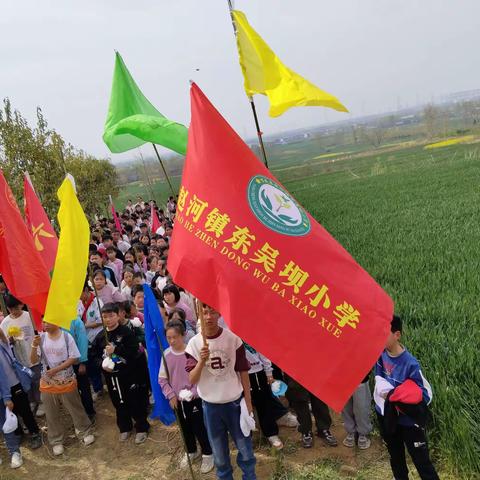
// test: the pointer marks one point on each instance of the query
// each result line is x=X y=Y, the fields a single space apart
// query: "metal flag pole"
x=163 y=168
x=250 y=98
x=259 y=132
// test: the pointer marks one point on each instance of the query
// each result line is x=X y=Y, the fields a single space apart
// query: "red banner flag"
x=20 y=262
x=44 y=236
x=154 y=220
x=118 y=225
x=243 y=245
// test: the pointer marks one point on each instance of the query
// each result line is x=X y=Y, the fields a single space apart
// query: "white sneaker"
x=40 y=411
x=363 y=442
x=88 y=440
x=58 y=450
x=184 y=460
x=275 y=442
x=288 y=420
x=140 y=438
x=207 y=464
x=17 y=460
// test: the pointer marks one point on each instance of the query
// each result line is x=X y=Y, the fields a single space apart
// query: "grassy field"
x=410 y=217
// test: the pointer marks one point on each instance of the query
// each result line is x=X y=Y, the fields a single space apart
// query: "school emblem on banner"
x=275 y=208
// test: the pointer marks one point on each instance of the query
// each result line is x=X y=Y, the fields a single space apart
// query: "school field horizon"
x=408 y=215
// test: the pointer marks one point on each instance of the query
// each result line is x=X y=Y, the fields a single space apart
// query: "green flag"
x=132 y=120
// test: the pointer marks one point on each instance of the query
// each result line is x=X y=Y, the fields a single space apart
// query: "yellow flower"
x=14 y=332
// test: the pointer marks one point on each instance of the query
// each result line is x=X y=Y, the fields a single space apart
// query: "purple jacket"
x=178 y=375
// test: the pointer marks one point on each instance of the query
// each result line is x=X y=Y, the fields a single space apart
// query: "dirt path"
x=158 y=459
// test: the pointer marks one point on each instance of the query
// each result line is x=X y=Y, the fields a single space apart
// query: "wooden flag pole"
x=163 y=168
x=199 y=309
x=2 y=304
x=250 y=98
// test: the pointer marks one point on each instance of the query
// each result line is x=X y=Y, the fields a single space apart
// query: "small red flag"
x=20 y=262
x=155 y=221
x=243 y=245
x=44 y=236
x=118 y=225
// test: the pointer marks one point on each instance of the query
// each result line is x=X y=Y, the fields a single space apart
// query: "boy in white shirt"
x=220 y=371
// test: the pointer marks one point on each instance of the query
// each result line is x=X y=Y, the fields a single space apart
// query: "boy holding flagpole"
x=220 y=371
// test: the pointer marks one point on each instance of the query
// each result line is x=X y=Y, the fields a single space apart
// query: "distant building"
x=459 y=97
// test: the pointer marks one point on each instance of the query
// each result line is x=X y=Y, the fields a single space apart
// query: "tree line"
x=47 y=157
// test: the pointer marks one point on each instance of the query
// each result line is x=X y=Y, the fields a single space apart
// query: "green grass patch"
x=411 y=219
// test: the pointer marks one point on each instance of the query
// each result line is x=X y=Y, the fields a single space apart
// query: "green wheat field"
x=410 y=217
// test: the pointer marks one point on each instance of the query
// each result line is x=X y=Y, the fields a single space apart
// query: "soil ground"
x=158 y=458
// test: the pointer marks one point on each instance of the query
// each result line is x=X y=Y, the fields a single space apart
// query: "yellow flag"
x=71 y=261
x=264 y=73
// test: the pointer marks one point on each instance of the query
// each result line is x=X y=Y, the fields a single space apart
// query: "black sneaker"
x=328 y=438
x=307 y=440
x=35 y=441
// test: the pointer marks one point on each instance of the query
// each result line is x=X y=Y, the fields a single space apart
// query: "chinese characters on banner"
x=283 y=284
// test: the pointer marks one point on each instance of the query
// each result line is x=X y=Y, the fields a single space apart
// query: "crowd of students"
x=213 y=385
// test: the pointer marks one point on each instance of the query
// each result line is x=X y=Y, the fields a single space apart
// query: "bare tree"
x=146 y=177
x=355 y=134
x=376 y=134
x=430 y=118
x=470 y=112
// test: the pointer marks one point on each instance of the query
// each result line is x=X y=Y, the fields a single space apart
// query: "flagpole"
x=259 y=132
x=250 y=98
x=163 y=168
x=198 y=305
x=2 y=304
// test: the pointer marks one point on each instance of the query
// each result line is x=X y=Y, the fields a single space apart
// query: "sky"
x=374 y=55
